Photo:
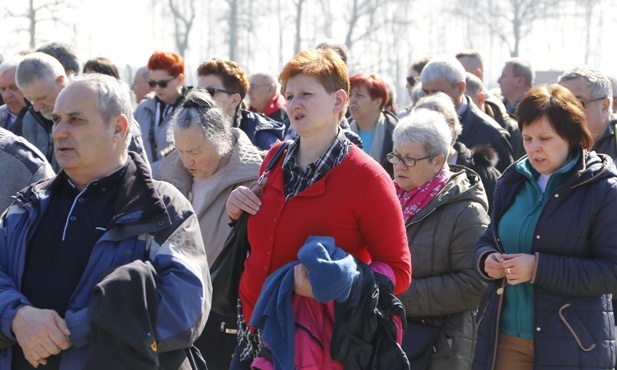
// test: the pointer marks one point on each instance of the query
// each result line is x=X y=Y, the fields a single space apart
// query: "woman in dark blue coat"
x=550 y=253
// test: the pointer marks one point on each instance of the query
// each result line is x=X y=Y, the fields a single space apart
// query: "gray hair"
x=12 y=61
x=444 y=66
x=427 y=128
x=114 y=97
x=441 y=103
x=38 y=67
x=472 y=55
x=474 y=84
x=613 y=80
x=199 y=110
x=64 y=53
x=522 y=67
x=269 y=78
x=601 y=86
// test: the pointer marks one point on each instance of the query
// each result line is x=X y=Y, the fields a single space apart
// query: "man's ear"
x=121 y=126
x=181 y=78
x=607 y=108
x=481 y=96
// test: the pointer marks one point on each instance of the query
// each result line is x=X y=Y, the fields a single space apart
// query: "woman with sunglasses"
x=153 y=114
x=368 y=97
x=228 y=84
x=322 y=186
x=210 y=159
x=445 y=212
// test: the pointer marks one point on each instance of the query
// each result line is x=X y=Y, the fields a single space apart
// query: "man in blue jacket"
x=103 y=210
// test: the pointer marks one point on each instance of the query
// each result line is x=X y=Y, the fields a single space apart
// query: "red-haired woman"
x=322 y=186
x=369 y=95
x=153 y=114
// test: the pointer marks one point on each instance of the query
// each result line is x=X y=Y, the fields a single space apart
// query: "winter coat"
x=23 y=161
x=442 y=238
x=480 y=129
x=482 y=161
x=242 y=170
x=154 y=223
x=576 y=251
x=155 y=139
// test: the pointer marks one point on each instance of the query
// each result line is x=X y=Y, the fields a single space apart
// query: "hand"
x=40 y=334
x=243 y=199
x=302 y=284
x=493 y=265
x=519 y=267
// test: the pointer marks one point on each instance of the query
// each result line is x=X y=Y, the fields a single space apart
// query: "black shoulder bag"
x=226 y=270
x=419 y=340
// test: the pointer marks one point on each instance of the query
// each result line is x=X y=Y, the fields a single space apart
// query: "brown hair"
x=561 y=108
x=234 y=77
x=103 y=66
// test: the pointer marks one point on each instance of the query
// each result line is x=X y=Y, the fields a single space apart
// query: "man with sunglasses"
x=595 y=92
x=154 y=113
x=228 y=84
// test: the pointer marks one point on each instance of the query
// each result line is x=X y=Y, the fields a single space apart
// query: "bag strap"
x=273 y=161
x=277 y=155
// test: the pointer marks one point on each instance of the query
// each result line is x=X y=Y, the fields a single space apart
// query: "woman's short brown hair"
x=561 y=108
x=234 y=77
x=323 y=64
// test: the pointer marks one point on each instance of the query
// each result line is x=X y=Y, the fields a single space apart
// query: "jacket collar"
x=138 y=201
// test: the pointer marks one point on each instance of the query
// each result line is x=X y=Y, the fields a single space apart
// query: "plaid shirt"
x=297 y=180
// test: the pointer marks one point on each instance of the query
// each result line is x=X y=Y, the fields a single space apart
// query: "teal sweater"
x=516 y=229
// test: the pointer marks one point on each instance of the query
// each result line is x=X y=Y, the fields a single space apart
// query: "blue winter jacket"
x=152 y=222
x=575 y=243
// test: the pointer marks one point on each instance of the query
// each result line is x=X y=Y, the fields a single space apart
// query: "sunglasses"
x=161 y=83
x=411 y=80
x=214 y=90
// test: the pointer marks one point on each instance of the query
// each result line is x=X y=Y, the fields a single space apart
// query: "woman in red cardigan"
x=322 y=186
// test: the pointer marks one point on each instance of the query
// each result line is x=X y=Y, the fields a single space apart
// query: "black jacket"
x=480 y=129
x=482 y=162
x=364 y=335
x=576 y=250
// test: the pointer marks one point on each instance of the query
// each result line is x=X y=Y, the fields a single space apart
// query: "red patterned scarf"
x=413 y=201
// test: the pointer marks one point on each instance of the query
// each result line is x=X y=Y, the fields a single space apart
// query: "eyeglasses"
x=407 y=161
x=214 y=90
x=584 y=103
x=161 y=83
x=412 y=80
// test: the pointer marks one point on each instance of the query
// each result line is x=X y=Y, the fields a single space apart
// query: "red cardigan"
x=355 y=203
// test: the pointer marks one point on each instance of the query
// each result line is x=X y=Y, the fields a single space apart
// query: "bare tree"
x=39 y=12
x=299 y=5
x=234 y=5
x=183 y=12
x=510 y=21
x=359 y=10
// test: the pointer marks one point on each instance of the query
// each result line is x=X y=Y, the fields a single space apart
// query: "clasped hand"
x=516 y=268
x=40 y=333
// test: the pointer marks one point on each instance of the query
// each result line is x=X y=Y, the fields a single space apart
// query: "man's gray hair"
x=445 y=66
x=38 y=67
x=64 y=53
x=114 y=96
x=601 y=86
x=427 y=128
x=12 y=61
x=522 y=67
x=269 y=78
x=441 y=103
x=474 y=84
x=417 y=93
x=199 y=110
x=474 y=55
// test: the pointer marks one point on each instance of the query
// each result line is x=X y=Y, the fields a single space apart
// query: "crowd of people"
x=487 y=214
